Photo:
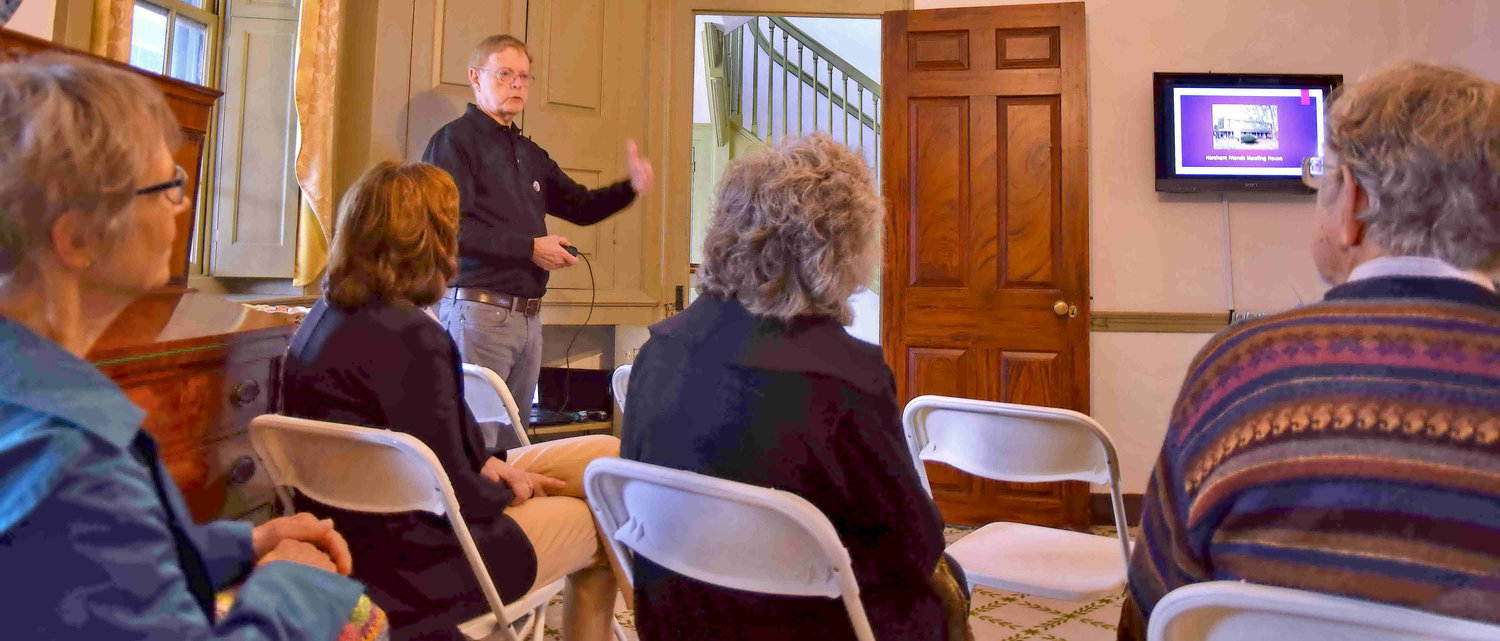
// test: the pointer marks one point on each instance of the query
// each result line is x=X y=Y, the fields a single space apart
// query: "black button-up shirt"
x=507 y=184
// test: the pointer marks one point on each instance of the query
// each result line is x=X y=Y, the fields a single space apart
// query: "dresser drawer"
x=246 y=392
x=235 y=468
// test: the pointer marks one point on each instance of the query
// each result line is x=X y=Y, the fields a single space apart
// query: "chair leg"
x=540 y=617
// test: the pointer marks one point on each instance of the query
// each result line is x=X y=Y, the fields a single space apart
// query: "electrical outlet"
x=1240 y=317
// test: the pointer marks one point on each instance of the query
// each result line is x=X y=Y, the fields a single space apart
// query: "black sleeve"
x=476 y=237
x=423 y=396
x=580 y=205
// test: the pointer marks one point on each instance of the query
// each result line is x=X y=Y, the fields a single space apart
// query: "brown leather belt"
x=527 y=306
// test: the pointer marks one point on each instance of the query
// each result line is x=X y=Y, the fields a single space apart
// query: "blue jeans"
x=506 y=341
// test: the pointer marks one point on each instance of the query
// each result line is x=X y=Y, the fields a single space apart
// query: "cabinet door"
x=588 y=99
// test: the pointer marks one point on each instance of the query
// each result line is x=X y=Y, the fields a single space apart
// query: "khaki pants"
x=562 y=531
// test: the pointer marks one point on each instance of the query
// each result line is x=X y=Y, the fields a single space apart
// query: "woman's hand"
x=522 y=483
x=299 y=552
x=267 y=539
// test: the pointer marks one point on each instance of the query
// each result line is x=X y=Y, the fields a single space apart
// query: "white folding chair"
x=1025 y=444
x=618 y=382
x=1234 y=611
x=721 y=532
x=488 y=397
x=381 y=471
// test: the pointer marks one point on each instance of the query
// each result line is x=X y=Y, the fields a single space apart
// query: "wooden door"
x=986 y=173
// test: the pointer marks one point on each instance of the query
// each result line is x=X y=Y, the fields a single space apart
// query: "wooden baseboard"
x=1100 y=513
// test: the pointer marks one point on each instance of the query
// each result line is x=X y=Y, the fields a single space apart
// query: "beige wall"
x=1175 y=253
x=34 y=18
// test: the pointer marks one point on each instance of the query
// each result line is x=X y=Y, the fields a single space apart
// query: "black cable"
x=567 y=353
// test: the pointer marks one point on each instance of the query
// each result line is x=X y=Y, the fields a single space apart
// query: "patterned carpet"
x=995 y=615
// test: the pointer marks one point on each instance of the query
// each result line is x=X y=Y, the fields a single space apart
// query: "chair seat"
x=1058 y=564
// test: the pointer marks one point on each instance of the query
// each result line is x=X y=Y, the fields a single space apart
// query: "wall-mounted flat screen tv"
x=1238 y=132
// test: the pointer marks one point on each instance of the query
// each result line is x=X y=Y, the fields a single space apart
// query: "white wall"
x=1169 y=253
x=34 y=18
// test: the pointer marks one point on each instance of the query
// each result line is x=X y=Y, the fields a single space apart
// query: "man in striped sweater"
x=1352 y=446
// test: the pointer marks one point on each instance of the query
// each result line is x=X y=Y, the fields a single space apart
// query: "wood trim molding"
x=1158 y=322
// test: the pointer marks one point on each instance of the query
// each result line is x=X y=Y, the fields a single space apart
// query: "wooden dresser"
x=201 y=366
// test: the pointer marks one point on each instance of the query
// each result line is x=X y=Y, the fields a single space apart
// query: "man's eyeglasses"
x=1312 y=171
x=507 y=76
x=175 y=189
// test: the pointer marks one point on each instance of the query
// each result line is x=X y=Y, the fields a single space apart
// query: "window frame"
x=212 y=14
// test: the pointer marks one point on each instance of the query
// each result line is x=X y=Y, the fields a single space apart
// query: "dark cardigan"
x=393 y=366
x=801 y=407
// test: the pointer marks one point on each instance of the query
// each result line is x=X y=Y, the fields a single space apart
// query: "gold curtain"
x=317 y=74
x=111 y=34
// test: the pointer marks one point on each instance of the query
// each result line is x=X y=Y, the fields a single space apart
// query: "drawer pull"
x=244 y=393
x=241 y=470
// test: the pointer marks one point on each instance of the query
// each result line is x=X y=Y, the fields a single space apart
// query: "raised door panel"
x=939 y=222
x=444 y=33
x=1030 y=139
x=256 y=197
x=587 y=100
x=942 y=371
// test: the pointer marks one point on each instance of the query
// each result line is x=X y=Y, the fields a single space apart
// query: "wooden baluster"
x=876 y=109
x=846 y=107
x=786 y=71
x=755 y=85
x=830 y=101
x=815 y=91
x=800 y=92
x=859 y=117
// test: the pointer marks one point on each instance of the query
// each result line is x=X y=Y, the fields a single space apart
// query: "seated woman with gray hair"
x=95 y=539
x=758 y=382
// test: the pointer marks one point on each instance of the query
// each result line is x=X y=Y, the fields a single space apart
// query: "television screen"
x=1238 y=132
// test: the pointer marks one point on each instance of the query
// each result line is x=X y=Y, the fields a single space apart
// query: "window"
x=175 y=37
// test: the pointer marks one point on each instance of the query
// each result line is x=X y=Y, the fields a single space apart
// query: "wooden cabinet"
x=201 y=367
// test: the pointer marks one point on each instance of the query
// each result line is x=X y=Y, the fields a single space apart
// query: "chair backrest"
x=1015 y=443
x=488 y=397
x=1233 y=610
x=363 y=470
x=618 y=382
x=722 y=532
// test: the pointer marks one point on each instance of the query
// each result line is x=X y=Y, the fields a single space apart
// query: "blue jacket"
x=95 y=539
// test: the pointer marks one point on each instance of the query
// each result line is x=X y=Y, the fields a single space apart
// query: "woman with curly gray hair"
x=758 y=382
x=95 y=539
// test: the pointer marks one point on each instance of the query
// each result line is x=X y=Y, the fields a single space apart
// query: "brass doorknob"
x=1062 y=308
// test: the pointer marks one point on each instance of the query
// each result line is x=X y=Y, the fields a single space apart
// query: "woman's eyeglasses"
x=175 y=189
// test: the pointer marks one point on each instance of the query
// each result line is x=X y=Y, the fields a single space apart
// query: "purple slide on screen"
x=1238 y=132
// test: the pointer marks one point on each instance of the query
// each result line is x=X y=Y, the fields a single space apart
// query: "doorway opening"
x=760 y=79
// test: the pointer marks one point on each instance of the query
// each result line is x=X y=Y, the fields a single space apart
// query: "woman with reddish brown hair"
x=369 y=354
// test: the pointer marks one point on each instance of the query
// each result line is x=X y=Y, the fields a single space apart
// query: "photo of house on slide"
x=1245 y=127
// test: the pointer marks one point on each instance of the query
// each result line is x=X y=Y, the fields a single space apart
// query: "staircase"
x=768 y=80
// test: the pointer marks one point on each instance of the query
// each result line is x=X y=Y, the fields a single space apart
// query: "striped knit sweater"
x=1350 y=447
